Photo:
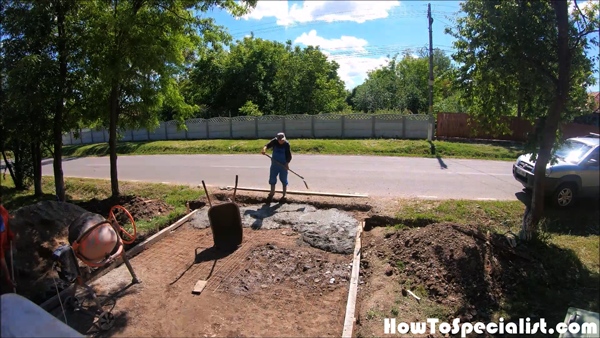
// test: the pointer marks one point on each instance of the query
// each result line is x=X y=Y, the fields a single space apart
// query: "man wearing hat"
x=282 y=154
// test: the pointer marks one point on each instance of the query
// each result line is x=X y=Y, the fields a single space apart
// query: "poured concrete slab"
x=330 y=230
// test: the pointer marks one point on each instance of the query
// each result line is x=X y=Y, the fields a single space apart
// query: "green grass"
x=383 y=147
x=567 y=249
x=80 y=189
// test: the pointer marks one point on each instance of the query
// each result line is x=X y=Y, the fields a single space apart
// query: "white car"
x=574 y=175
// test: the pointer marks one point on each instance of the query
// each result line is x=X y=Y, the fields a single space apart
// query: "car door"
x=590 y=179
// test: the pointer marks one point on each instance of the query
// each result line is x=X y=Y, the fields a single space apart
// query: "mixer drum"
x=99 y=243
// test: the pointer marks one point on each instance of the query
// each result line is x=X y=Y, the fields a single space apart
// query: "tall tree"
x=136 y=49
x=277 y=78
x=538 y=48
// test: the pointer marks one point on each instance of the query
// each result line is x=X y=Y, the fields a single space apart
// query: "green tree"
x=403 y=85
x=529 y=53
x=135 y=52
x=277 y=78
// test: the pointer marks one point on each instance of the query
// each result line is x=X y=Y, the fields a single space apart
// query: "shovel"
x=306 y=184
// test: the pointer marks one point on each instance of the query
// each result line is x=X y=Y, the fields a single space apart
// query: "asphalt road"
x=372 y=175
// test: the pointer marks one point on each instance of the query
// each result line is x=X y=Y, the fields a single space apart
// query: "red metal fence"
x=464 y=126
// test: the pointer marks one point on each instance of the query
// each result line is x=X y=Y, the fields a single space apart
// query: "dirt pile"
x=312 y=271
x=139 y=208
x=330 y=230
x=453 y=265
x=39 y=229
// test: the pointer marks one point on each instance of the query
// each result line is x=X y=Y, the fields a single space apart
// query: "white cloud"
x=353 y=67
x=345 y=42
x=329 y=11
x=353 y=70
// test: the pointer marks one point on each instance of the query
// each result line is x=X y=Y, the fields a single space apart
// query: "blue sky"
x=359 y=35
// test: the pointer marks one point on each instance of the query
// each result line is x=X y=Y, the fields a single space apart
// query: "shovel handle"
x=206 y=192
x=235 y=189
x=283 y=166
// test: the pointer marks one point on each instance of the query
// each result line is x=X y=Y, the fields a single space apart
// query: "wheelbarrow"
x=225 y=222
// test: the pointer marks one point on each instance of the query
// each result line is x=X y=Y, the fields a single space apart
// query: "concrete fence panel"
x=389 y=126
x=358 y=126
x=328 y=126
x=197 y=129
x=86 y=136
x=173 y=133
x=66 y=139
x=298 y=126
x=243 y=127
x=98 y=136
x=140 y=135
x=126 y=135
x=269 y=126
x=295 y=126
x=219 y=128
x=159 y=133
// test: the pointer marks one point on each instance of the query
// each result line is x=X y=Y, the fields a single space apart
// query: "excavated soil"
x=456 y=269
x=139 y=208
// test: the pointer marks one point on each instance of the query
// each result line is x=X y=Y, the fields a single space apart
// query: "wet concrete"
x=330 y=230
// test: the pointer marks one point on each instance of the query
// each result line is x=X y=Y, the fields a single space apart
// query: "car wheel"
x=565 y=194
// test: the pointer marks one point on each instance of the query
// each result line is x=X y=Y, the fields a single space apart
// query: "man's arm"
x=288 y=153
x=269 y=145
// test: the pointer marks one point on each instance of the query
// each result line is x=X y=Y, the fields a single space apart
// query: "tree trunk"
x=59 y=180
x=36 y=156
x=533 y=214
x=112 y=140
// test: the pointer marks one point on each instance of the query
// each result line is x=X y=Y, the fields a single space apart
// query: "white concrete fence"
x=265 y=127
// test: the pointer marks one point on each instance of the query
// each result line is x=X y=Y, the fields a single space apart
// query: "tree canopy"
x=275 y=77
x=402 y=85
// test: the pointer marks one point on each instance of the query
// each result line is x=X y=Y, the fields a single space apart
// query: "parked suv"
x=574 y=175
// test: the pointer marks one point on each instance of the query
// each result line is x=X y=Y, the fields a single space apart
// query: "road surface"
x=372 y=175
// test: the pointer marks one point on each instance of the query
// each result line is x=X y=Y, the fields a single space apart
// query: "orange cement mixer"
x=96 y=241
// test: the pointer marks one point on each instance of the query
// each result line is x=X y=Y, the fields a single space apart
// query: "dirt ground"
x=273 y=285
x=456 y=270
x=139 y=208
x=43 y=227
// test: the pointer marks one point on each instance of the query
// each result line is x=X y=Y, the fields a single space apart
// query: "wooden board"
x=353 y=290
x=200 y=285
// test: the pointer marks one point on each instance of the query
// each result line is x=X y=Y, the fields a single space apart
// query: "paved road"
x=376 y=176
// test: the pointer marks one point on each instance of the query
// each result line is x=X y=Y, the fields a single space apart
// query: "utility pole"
x=430 y=60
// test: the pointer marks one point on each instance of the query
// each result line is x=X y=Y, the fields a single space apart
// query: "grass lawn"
x=567 y=250
x=80 y=189
x=414 y=148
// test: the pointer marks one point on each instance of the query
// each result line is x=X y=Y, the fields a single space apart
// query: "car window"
x=573 y=151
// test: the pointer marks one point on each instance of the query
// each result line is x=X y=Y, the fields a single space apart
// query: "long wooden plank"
x=53 y=302
x=297 y=192
x=353 y=291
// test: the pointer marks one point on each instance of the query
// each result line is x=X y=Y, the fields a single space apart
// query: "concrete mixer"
x=96 y=241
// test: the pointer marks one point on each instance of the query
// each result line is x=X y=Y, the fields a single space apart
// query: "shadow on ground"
x=85 y=320
x=437 y=156
x=206 y=255
x=102 y=149
x=582 y=219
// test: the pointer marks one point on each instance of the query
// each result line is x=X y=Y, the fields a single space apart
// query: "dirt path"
x=274 y=285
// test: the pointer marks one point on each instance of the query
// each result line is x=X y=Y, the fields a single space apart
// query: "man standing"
x=282 y=154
